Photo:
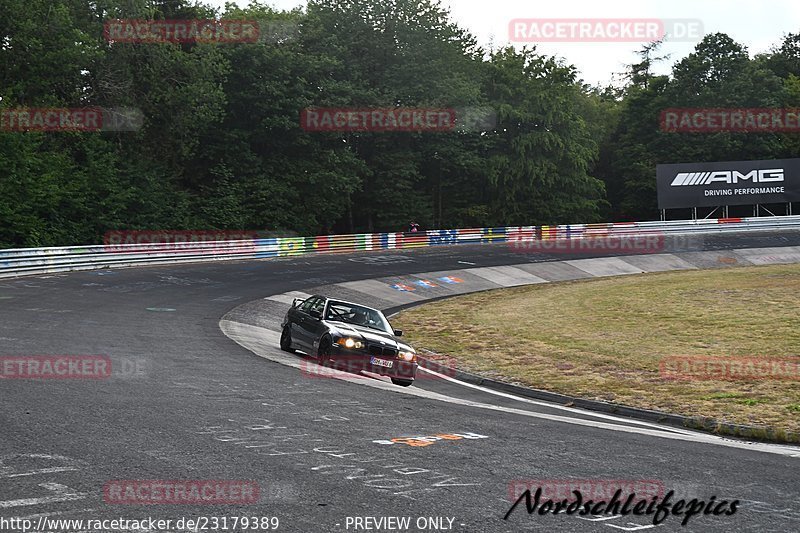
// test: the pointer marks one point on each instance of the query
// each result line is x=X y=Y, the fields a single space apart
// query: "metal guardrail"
x=28 y=261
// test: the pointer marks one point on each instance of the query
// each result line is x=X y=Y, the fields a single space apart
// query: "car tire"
x=286 y=340
x=324 y=351
x=403 y=382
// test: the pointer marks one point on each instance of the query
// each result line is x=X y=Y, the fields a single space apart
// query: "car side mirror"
x=398 y=333
x=297 y=301
x=315 y=314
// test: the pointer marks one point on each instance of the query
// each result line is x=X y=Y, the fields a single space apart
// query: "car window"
x=339 y=311
x=306 y=306
x=318 y=305
x=358 y=315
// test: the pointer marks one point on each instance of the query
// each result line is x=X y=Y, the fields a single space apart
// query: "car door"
x=301 y=336
x=316 y=327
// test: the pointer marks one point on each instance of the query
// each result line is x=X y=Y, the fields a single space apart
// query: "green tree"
x=541 y=153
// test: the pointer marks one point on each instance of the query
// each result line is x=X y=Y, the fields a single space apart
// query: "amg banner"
x=728 y=183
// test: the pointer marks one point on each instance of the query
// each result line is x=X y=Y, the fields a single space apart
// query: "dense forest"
x=221 y=146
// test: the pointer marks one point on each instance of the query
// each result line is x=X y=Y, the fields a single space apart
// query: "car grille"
x=375 y=349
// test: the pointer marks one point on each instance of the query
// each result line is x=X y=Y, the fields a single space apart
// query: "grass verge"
x=605 y=339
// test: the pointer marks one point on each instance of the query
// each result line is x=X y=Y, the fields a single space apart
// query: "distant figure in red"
x=413 y=227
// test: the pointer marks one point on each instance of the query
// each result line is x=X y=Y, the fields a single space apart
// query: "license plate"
x=381 y=362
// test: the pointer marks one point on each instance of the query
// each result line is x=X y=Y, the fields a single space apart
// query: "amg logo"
x=727 y=176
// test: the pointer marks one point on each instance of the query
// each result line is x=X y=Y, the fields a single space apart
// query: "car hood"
x=368 y=334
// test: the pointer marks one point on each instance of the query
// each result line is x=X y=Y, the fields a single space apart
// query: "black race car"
x=348 y=335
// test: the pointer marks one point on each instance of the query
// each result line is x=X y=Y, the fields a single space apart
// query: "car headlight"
x=349 y=343
x=408 y=356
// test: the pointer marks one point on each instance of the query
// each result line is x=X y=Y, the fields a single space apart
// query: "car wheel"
x=324 y=351
x=286 y=340
x=403 y=382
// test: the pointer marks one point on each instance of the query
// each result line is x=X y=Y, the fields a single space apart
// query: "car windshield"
x=357 y=315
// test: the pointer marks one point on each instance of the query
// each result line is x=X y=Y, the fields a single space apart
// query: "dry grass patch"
x=604 y=339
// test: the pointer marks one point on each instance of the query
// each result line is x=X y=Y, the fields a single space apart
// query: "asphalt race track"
x=188 y=403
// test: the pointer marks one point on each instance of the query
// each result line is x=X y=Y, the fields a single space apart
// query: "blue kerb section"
x=384 y=240
x=267 y=242
x=443 y=237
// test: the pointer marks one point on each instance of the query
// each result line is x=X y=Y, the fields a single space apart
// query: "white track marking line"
x=634 y=527
x=55 y=513
x=43 y=471
x=262 y=342
x=63 y=494
x=288 y=297
x=558 y=406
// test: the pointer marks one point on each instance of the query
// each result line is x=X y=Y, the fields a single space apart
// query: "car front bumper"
x=357 y=361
